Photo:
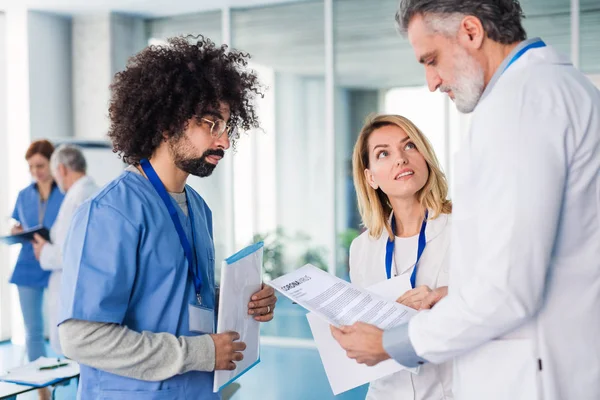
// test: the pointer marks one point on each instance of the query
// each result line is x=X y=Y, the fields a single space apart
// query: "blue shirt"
x=124 y=264
x=27 y=271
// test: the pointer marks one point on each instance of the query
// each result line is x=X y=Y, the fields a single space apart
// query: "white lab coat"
x=367 y=267
x=51 y=255
x=522 y=318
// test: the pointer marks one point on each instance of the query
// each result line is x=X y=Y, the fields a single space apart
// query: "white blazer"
x=522 y=318
x=367 y=267
x=51 y=255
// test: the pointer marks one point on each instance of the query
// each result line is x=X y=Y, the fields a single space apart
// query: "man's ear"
x=471 y=32
x=62 y=170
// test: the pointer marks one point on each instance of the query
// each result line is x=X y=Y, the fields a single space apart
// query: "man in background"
x=68 y=168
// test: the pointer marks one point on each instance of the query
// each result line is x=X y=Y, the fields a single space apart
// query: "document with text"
x=337 y=301
x=334 y=301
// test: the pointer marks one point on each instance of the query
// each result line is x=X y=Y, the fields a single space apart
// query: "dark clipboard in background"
x=26 y=236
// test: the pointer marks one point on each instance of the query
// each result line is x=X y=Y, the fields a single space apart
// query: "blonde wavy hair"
x=374 y=205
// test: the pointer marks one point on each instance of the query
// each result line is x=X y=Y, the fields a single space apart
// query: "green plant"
x=346 y=237
x=315 y=256
x=276 y=246
x=273 y=252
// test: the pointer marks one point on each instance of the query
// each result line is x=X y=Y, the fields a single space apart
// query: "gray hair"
x=501 y=19
x=70 y=156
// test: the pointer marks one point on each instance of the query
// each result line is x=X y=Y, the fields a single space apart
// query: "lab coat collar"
x=502 y=66
x=80 y=184
x=432 y=230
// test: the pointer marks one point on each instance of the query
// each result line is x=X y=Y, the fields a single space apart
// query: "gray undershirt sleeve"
x=146 y=356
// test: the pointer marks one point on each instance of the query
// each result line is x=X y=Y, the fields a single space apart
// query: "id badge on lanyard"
x=201 y=319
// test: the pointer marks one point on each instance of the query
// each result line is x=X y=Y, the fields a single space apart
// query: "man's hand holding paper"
x=362 y=342
x=354 y=311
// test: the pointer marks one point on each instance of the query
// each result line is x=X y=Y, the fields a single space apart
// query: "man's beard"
x=469 y=83
x=197 y=166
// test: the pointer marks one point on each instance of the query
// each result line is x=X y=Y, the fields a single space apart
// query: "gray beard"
x=469 y=84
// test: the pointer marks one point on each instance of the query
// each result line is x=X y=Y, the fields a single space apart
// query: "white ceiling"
x=151 y=8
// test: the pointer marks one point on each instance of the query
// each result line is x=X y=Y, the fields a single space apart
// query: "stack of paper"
x=30 y=374
x=333 y=301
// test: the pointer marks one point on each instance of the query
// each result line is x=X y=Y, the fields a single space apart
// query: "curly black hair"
x=164 y=86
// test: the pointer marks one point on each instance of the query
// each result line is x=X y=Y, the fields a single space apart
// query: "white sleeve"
x=51 y=255
x=521 y=177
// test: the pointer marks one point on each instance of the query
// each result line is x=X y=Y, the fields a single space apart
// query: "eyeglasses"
x=218 y=127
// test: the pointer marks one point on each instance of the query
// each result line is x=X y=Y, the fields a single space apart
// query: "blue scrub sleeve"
x=99 y=265
x=398 y=345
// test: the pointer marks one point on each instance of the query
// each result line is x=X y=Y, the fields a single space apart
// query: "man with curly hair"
x=521 y=316
x=138 y=286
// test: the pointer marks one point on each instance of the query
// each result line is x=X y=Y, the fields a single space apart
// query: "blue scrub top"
x=123 y=263
x=27 y=271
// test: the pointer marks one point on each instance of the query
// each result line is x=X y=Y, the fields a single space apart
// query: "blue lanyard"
x=187 y=248
x=389 y=250
x=534 y=45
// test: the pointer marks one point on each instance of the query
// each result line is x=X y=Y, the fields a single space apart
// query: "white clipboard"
x=241 y=277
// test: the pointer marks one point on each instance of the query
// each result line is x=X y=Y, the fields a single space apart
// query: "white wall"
x=102 y=44
x=303 y=195
x=128 y=37
x=50 y=76
x=4 y=206
x=207 y=24
x=320 y=194
x=92 y=66
x=17 y=133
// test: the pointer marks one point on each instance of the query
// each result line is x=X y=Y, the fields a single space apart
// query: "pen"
x=53 y=366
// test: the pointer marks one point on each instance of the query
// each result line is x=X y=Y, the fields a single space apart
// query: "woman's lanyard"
x=187 y=248
x=389 y=250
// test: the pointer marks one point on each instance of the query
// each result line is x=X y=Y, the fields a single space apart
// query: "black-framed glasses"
x=218 y=127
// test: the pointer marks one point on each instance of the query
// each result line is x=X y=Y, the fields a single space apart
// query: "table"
x=9 y=391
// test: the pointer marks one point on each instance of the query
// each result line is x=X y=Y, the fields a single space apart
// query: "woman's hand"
x=433 y=297
x=414 y=297
x=16 y=229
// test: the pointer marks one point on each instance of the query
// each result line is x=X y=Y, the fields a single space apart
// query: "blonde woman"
x=402 y=200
